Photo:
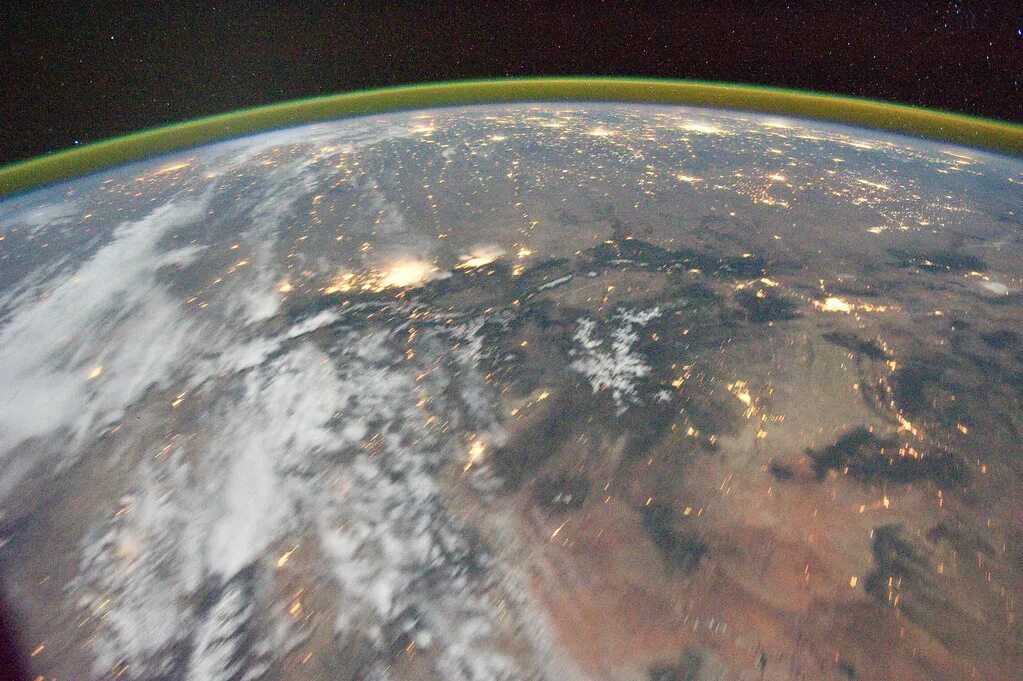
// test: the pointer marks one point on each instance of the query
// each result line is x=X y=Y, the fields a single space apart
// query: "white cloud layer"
x=612 y=364
x=98 y=338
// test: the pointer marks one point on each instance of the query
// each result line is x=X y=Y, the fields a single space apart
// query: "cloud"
x=100 y=336
x=41 y=216
x=288 y=453
x=613 y=364
x=320 y=140
x=331 y=436
x=293 y=399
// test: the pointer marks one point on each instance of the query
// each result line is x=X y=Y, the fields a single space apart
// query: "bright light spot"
x=703 y=127
x=834 y=304
x=96 y=371
x=741 y=393
x=284 y=558
x=963 y=159
x=600 y=132
x=475 y=454
x=402 y=274
x=995 y=287
x=407 y=274
x=475 y=261
x=285 y=286
x=480 y=257
x=342 y=282
x=688 y=178
x=523 y=252
x=904 y=424
x=858 y=145
x=171 y=168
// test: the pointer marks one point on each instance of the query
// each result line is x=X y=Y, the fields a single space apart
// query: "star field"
x=79 y=72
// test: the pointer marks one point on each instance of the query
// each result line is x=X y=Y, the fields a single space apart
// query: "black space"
x=77 y=72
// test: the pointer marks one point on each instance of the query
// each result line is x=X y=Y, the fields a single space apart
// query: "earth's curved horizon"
x=939 y=125
x=557 y=390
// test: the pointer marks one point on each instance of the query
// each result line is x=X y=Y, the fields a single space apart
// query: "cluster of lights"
x=402 y=274
x=836 y=304
x=480 y=257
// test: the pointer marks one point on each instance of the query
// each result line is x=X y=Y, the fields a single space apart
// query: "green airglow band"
x=938 y=125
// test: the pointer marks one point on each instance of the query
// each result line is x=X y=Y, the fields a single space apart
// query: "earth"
x=556 y=391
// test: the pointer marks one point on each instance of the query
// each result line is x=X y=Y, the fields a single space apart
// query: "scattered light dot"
x=284 y=558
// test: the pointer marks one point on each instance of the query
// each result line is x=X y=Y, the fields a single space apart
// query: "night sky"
x=75 y=73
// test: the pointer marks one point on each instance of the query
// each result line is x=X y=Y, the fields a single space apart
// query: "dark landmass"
x=686 y=669
x=522 y=457
x=680 y=549
x=638 y=254
x=904 y=578
x=958 y=538
x=894 y=559
x=869 y=458
x=912 y=384
x=939 y=261
x=780 y=471
x=864 y=348
x=768 y=307
x=1003 y=339
x=561 y=492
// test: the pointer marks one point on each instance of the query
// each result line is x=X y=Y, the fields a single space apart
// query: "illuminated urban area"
x=519 y=392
